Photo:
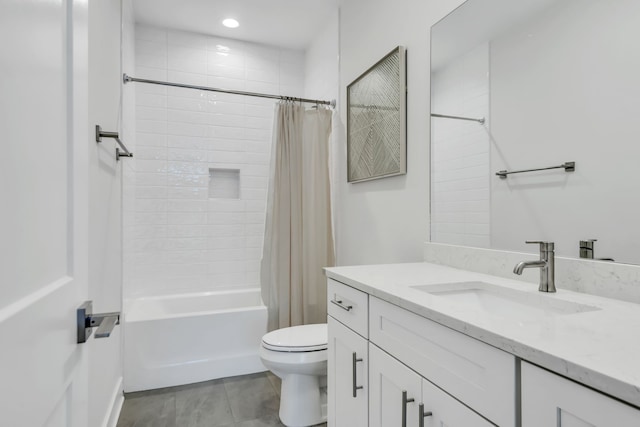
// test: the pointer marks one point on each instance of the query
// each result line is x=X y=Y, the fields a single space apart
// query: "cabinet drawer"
x=475 y=373
x=349 y=306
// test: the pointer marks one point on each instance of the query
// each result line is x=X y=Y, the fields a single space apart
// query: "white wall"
x=321 y=78
x=548 y=107
x=177 y=238
x=105 y=225
x=460 y=199
x=322 y=81
x=387 y=220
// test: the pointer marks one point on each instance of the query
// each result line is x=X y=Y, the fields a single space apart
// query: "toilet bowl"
x=298 y=355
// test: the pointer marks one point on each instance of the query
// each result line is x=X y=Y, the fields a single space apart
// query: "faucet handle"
x=544 y=246
x=587 y=248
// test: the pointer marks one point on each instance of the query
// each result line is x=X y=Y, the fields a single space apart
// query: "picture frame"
x=377 y=120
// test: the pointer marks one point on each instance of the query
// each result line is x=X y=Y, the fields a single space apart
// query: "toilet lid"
x=297 y=338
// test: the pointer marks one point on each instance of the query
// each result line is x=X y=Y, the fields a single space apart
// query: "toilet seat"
x=297 y=339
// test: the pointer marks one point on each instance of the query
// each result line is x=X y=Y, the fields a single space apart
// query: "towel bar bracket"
x=119 y=153
x=103 y=134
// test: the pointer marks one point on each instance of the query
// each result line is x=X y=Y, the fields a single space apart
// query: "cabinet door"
x=347 y=377
x=394 y=391
x=443 y=410
x=551 y=400
x=473 y=372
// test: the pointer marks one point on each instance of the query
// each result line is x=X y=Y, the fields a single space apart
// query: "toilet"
x=298 y=355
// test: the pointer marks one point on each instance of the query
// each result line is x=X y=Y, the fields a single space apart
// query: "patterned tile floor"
x=245 y=401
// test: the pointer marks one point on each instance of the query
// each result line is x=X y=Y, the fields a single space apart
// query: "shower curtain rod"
x=127 y=79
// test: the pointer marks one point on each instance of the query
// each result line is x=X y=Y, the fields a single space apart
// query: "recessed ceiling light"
x=230 y=23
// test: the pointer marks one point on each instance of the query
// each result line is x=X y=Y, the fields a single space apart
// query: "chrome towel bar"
x=567 y=166
x=103 y=134
x=481 y=120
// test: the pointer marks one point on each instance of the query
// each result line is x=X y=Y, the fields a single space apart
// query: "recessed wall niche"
x=224 y=183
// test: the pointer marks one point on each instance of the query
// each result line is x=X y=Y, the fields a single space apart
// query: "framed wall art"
x=376 y=120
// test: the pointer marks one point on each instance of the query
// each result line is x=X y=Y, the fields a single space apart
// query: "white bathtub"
x=182 y=339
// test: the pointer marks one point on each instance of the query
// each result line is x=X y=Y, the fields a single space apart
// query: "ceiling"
x=286 y=23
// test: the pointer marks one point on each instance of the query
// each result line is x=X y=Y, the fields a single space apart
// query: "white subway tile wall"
x=460 y=177
x=180 y=236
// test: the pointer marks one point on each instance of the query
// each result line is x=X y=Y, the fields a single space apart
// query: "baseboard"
x=117 y=400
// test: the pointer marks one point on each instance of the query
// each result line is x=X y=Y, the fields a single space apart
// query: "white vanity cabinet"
x=551 y=400
x=407 y=352
x=397 y=392
x=480 y=376
x=348 y=358
x=459 y=360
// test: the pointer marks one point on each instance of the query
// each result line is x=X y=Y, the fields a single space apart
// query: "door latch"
x=86 y=320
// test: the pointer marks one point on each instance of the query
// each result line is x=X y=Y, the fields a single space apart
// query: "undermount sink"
x=504 y=302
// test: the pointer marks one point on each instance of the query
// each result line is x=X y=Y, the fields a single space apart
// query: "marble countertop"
x=598 y=348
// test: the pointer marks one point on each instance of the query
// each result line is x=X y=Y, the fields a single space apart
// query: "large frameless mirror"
x=535 y=132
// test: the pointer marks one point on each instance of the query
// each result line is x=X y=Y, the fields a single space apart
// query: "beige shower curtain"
x=298 y=239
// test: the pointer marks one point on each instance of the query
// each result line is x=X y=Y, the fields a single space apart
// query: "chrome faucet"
x=546 y=264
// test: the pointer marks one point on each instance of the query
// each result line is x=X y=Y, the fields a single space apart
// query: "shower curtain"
x=298 y=240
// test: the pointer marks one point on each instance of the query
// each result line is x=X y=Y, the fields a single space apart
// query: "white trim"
x=117 y=400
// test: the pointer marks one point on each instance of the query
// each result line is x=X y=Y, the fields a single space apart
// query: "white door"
x=347 y=377
x=43 y=219
x=394 y=391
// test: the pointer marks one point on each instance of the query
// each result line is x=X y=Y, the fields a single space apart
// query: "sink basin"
x=504 y=302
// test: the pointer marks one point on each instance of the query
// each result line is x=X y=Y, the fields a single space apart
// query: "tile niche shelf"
x=224 y=183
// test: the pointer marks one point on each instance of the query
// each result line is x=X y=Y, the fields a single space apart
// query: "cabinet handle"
x=355 y=387
x=341 y=305
x=405 y=400
x=422 y=415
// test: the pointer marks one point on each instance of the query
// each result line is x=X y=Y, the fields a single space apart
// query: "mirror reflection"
x=537 y=84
